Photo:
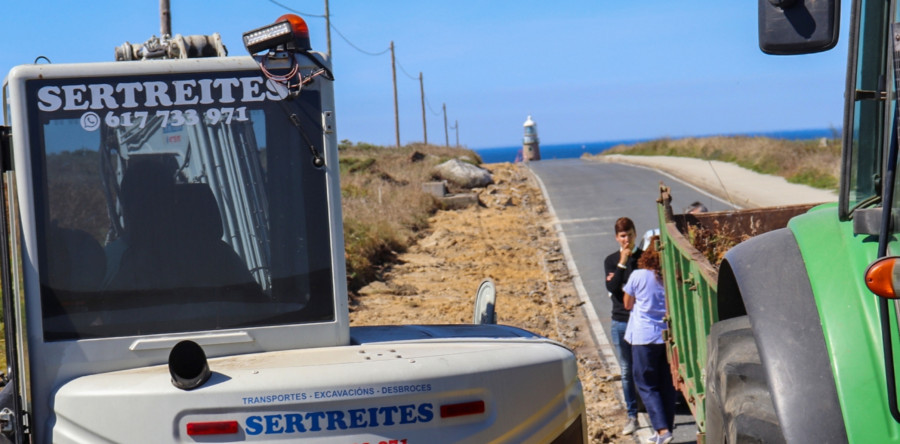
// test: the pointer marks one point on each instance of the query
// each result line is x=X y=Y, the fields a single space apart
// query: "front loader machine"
x=175 y=272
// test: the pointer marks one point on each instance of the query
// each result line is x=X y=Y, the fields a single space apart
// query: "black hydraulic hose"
x=889 y=373
x=884 y=305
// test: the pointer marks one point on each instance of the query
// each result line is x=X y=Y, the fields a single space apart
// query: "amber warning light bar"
x=289 y=32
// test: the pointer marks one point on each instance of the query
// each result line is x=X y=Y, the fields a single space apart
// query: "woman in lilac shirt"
x=645 y=296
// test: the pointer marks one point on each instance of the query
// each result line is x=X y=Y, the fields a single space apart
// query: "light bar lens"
x=212 y=428
x=268 y=36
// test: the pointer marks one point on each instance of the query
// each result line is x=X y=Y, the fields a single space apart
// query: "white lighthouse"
x=530 y=143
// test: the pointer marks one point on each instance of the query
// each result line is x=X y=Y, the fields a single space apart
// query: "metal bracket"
x=328 y=122
x=7 y=421
x=867 y=221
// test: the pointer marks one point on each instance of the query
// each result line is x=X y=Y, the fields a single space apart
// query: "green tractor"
x=793 y=338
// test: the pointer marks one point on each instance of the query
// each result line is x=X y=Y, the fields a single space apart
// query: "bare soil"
x=509 y=238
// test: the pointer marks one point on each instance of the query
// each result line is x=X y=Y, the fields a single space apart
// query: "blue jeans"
x=623 y=350
x=654 y=382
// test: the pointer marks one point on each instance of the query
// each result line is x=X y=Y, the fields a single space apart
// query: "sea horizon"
x=574 y=150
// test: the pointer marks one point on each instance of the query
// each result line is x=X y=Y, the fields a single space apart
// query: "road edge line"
x=601 y=341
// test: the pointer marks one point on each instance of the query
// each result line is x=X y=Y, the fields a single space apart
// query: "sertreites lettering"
x=291 y=423
x=157 y=94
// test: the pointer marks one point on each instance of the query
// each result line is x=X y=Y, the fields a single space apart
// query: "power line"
x=357 y=47
x=407 y=74
x=437 y=113
x=332 y=27
x=296 y=11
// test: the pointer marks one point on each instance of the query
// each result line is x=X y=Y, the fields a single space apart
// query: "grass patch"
x=809 y=162
x=383 y=202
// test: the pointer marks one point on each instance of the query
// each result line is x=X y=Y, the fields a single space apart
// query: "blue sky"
x=585 y=70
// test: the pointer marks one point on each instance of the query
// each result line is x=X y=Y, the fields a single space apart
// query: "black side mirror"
x=798 y=26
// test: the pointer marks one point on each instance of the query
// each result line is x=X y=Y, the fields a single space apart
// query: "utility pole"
x=396 y=112
x=328 y=28
x=446 y=134
x=165 y=19
x=422 y=90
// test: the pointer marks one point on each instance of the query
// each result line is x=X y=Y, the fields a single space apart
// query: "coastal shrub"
x=353 y=164
x=810 y=162
x=815 y=178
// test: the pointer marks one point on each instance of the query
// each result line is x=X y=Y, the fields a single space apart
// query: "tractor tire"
x=739 y=408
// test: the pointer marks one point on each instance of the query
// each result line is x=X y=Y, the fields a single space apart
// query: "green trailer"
x=690 y=278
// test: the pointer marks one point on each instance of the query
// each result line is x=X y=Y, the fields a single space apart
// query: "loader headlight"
x=289 y=33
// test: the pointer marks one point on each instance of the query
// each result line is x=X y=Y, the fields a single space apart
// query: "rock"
x=464 y=174
x=375 y=287
x=436 y=189
x=405 y=290
x=459 y=201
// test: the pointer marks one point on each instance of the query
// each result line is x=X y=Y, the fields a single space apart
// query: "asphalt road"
x=587 y=198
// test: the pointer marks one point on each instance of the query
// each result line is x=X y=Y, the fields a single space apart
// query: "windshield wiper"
x=293 y=91
x=318 y=161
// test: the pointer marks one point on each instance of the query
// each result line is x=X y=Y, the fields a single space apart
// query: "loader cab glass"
x=176 y=204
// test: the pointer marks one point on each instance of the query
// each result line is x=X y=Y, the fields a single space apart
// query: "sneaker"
x=664 y=439
x=630 y=425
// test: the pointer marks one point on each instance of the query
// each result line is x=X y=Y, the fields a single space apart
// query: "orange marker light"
x=880 y=277
x=297 y=24
x=212 y=428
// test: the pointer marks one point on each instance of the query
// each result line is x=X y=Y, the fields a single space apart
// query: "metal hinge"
x=861 y=94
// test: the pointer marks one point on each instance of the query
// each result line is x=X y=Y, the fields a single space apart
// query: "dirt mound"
x=508 y=238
